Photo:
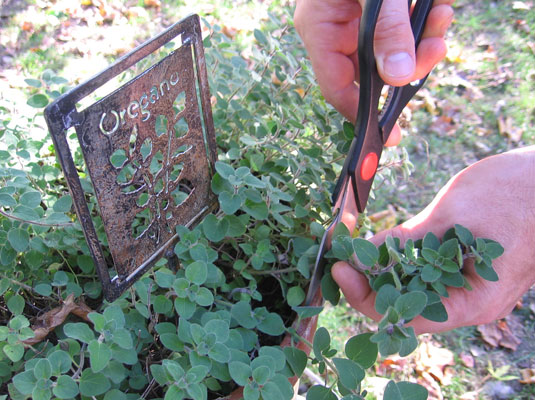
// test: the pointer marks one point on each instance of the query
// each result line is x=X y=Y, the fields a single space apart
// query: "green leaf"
x=296 y=358
x=204 y=297
x=42 y=369
x=242 y=312
x=240 y=372
x=159 y=373
x=409 y=344
x=60 y=361
x=19 y=322
x=174 y=392
x=251 y=393
x=295 y=296
x=430 y=273
x=258 y=211
x=14 y=351
x=260 y=37
x=390 y=345
x=24 y=382
x=230 y=202
x=215 y=229
x=430 y=241
x=329 y=289
x=404 y=391
x=16 y=304
x=261 y=374
x=322 y=341
x=19 y=239
x=486 y=272
x=65 y=388
x=30 y=199
x=319 y=392
x=362 y=350
x=493 y=249
x=411 y=304
x=63 y=204
x=307 y=311
x=79 y=331
x=386 y=297
x=435 y=312
x=93 y=384
x=36 y=83
x=197 y=272
x=220 y=353
x=6 y=200
x=184 y=307
x=174 y=369
x=99 y=355
x=224 y=169
x=115 y=394
x=350 y=373
x=464 y=235
x=172 y=341
x=449 y=248
x=219 y=328
x=366 y=251
x=37 y=101
x=272 y=324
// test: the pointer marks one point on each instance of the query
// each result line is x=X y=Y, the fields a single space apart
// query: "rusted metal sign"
x=149 y=150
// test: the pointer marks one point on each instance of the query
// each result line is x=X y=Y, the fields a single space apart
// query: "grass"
x=479 y=101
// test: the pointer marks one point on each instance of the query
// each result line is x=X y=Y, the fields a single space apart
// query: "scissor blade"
x=319 y=266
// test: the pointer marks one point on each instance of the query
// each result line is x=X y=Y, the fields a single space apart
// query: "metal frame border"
x=62 y=115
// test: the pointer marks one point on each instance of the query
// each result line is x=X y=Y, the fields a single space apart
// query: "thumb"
x=394 y=43
x=355 y=288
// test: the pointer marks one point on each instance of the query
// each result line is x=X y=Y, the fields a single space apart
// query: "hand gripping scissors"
x=373 y=126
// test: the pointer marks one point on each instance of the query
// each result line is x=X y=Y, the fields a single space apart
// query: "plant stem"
x=270 y=272
x=11 y=216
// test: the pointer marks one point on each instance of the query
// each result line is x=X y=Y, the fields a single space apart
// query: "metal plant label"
x=149 y=150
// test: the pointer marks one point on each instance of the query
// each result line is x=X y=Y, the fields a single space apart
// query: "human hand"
x=329 y=30
x=495 y=199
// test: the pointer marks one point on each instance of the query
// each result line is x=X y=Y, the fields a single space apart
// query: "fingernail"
x=399 y=65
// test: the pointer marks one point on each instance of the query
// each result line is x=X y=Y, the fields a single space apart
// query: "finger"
x=355 y=288
x=395 y=136
x=394 y=43
x=438 y=21
x=430 y=52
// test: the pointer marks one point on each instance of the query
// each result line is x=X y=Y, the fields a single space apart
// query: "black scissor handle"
x=373 y=128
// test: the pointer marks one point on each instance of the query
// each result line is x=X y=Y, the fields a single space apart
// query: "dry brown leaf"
x=467 y=359
x=152 y=3
x=432 y=386
x=498 y=333
x=528 y=376
x=433 y=360
x=27 y=26
x=47 y=322
x=507 y=128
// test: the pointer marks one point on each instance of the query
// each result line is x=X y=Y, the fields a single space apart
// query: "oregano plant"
x=213 y=322
x=409 y=282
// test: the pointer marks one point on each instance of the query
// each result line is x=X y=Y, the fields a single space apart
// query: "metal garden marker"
x=149 y=149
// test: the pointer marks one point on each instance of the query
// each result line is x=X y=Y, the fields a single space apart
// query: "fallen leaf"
x=27 y=26
x=432 y=386
x=507 y=128
x=528 y=376
x=47 y=322
x=152 y=3
x=467 y=359
x=433 y=360
x=499 y=333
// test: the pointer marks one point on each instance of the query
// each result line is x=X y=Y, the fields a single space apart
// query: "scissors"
x=373 y=126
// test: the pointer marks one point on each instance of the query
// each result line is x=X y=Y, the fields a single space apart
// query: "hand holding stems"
x=495 y=199
x=329 y=30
